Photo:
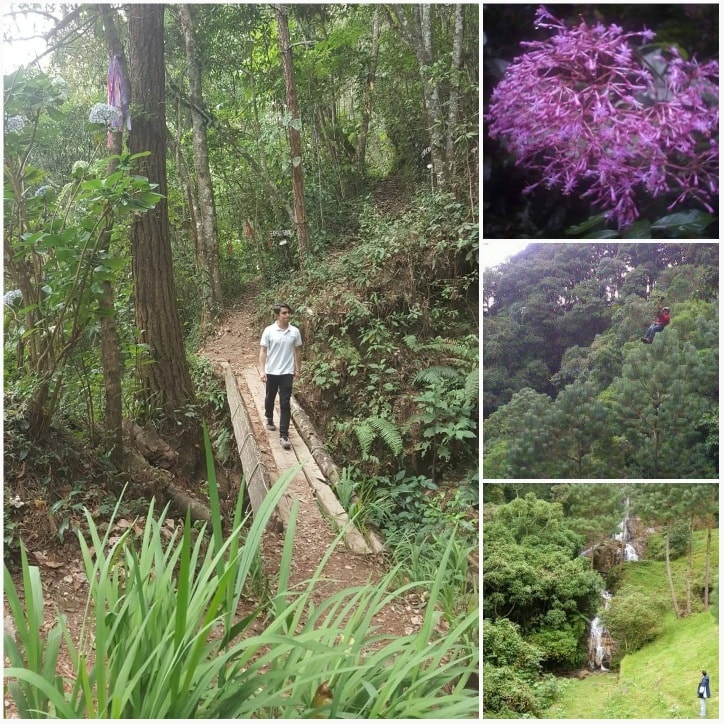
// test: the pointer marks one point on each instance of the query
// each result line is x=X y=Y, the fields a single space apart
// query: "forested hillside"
x=570 y=389
x=584 y=579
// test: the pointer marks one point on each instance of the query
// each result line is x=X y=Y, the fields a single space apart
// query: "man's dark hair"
x=278 y=308
x=704 y=672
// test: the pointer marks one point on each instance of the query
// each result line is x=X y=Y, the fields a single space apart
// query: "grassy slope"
x=660 y=680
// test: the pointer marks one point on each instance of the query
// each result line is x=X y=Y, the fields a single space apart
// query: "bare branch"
x=64 y=22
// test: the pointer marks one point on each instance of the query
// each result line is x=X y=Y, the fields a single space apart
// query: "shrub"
x=678 y=543
x=633 y=618
x=506 y=694
x=560 y=646
x=504 y=646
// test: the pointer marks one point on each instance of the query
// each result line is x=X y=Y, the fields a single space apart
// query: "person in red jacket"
x=663 y=318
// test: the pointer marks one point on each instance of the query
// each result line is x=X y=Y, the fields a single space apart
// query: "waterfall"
x=599 y=641
x=629 y=552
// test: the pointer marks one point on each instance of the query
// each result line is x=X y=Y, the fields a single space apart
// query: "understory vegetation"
x=163 y=636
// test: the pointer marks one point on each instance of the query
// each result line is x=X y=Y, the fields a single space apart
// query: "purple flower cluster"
x=587 y=110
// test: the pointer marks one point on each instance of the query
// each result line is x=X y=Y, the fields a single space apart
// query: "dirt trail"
x=237 y=343
x=65 y=587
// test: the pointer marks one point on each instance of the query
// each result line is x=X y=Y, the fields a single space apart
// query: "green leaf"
x=694 y=222
x=55 y=114
x=587 y=225
x=640 y=229
x=603 y=234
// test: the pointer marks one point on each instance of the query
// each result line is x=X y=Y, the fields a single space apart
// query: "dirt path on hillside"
x=237 y=343
x=65 y=588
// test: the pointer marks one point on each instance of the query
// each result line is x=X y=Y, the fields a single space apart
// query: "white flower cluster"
x=60 y=86
x=42 y=191
x=79 y=168
x=103 y=113
x=13 y=297
x=14 y=123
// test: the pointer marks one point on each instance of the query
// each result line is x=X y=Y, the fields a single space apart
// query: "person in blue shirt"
x=703 y=693
x=280 y=360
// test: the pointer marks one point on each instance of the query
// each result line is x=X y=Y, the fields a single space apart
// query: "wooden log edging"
x=314 y=443
x=332 y=509
x=330 y=471
x=258 y=480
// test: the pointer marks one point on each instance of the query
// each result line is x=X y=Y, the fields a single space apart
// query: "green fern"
x=462 y=350
x=389 y=432
x=436 y=374
x=373 y=427
x=365 y=436
x=472 y=384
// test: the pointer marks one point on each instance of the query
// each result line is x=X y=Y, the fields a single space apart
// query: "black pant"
x=283 y=385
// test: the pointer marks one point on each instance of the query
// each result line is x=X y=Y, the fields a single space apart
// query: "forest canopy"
x=570 y=389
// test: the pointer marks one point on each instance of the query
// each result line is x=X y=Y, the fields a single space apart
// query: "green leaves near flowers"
x=680 y=225
x=689 y=223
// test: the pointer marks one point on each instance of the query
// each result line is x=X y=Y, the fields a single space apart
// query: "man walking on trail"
x=280 y=359
x=663 y=318
x=703 y=693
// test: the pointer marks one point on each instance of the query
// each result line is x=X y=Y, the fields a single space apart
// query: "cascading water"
x=629 y=552
x=599 y=641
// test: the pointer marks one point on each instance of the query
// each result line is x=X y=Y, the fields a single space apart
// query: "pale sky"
x=497 y=252
x=24 y=31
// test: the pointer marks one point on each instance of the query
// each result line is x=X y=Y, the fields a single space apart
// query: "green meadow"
x=660 y=680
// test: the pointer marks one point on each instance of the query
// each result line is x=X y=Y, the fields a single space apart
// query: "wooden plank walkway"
x=309 y=484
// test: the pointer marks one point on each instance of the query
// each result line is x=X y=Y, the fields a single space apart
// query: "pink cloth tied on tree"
x=118 y=97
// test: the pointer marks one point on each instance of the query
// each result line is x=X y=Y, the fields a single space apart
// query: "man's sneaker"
x=270 y=424
x=645 y=341
x=285 y=443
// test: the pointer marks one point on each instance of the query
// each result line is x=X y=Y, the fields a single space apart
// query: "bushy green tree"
x=578 y=422
x=521 y=426
x=510 y=669
x=658 y=404
x=633 y=619
x=535 y=577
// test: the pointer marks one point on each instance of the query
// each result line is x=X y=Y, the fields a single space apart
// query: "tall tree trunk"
x=258 y=162
x=688 y=567
x=656 y=448
x=295 y=134
x=706 y=569
x=166 y=382
x=206 y=224
x=110 y=340
x=671 y=580
x=418 y=34
x=454 y=101
x=367 y=95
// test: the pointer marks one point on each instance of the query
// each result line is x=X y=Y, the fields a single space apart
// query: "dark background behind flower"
x=548 y=213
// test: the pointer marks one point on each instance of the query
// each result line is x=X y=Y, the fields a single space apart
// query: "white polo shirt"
x=280 y=345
